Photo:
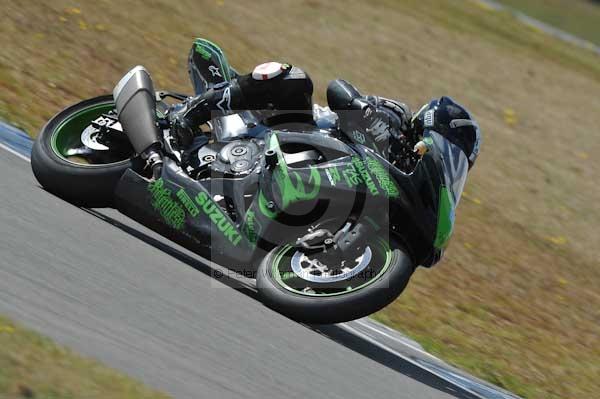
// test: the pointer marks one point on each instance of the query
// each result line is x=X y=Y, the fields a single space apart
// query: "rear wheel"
x=71 y=170
x=324 y=288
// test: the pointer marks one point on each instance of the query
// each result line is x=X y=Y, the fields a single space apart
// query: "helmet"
x=453 y=121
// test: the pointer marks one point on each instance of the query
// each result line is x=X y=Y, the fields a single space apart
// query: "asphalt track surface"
x=111 y=289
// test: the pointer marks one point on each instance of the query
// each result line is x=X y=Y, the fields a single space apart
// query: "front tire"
x=73 y=178
x=319 y=305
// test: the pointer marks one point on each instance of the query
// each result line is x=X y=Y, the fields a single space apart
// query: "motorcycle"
x=330 y=230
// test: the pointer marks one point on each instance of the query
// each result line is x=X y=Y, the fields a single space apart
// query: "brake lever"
x=161 y=95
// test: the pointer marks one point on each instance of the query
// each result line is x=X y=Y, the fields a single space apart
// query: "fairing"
x=455 y=165
x=350 y=184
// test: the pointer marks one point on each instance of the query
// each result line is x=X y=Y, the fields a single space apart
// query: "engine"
x=231 y=159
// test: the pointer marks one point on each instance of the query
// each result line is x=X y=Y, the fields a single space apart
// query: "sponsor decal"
x=225 y=103
x=251 y=228
x=295 y=191
x=291 y=185
x=358 y=136
x=429 y=118
x=215 y=71
x=216 y=216
x=204 y=53
x=170 y=210
x=382 y=175
x=380 y=130
x=360 y=172
x=352 y=177
x=364 y=174
x=173 y=210
x=188 y=203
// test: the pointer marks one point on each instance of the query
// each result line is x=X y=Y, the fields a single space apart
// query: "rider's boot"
x=154 y=160
x=208 y=66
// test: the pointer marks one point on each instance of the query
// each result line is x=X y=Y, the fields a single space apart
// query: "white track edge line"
x=396 y=339
x=7 y=148
x=409 y=360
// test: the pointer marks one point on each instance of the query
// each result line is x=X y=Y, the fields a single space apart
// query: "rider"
x=377 y=122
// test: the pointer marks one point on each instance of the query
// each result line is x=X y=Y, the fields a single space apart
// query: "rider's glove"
x=181 y=131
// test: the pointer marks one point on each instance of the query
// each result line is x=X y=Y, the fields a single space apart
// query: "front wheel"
x=322 y=288
x=67 y=168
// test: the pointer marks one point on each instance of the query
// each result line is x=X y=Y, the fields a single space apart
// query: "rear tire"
x=336 y=308
x=89 y=185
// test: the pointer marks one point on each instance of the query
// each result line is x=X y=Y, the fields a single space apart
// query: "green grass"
x=578 y=17
x=515 y=300
x=32 y=366
x=484 y=366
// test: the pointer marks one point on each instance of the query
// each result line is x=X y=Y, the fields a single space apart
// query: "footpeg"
x=155 y=162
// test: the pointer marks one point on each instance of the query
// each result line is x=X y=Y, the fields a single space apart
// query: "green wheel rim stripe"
x=278 y=278
x=69 y=130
